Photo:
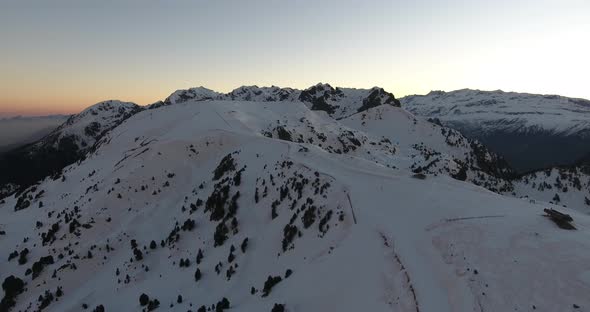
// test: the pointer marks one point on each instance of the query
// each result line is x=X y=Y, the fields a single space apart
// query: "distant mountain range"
x=531 y=131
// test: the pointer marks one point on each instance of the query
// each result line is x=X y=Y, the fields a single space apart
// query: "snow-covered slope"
x=87 y=127
x=426 y=147
x=63 y=146
x=276 y=207
x=530 y=131
x=363 y=123
x=567 y=186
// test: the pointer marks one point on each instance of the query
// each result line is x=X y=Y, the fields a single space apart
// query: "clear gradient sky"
x=62 y=56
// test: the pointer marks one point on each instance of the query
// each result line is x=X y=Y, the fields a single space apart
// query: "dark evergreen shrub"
x=278 y=308
x=271 y=281
x=144 y=300
x=197 y=275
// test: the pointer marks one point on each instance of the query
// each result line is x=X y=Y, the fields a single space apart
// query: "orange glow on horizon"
x=64 y=59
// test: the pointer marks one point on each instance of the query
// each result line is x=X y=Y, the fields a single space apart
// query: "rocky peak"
x=194 y=94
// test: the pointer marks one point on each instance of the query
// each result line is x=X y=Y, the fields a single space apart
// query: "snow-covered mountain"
x=337 y=102
x=254 y=204
x=63 y=146
x=85 y=128
x=425 y=147
x=72 y=140
x=530 y=131
x=416 y=144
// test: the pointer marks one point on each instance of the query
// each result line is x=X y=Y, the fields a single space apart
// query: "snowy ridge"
x=263 y=94
x=258 y=206
x=88 y=126
x=337 y=102
x=531 y=131
x=343 y=102
x=65 y=145
x=507 y=111
x=194 y=94
x=432 y=149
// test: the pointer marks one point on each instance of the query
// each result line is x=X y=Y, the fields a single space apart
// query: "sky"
x=62 y=56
